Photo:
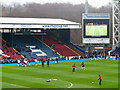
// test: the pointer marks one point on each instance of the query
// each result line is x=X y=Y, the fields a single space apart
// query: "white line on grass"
x=70 y=85
x=15 y=85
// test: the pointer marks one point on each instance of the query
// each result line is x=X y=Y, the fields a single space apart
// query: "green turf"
x=36 y=76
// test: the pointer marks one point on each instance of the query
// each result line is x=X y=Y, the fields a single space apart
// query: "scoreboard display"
x=96 y=28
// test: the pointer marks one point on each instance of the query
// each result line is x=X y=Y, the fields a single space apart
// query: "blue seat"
x=22 y=40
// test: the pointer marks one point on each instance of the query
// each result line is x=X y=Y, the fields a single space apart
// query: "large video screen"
x=95 y=28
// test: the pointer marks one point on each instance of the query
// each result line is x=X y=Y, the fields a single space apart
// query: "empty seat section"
x=60 y=48
x=38 y=48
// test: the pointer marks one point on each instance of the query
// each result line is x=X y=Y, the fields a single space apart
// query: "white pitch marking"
x=70 y=85
x=15 y=85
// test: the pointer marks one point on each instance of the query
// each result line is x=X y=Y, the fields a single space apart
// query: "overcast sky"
x=95 y=3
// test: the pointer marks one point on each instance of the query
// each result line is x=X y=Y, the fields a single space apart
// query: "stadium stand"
x=77 y=49
x=116 y=51
x=58 y=46
x=29 y=46
x=7 y=52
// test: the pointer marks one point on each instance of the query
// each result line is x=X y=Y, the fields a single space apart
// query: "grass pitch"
x=36 y=76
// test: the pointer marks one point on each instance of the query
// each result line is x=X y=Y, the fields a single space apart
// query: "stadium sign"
x=55 y=26
x=40 y=26
x=96 y=40
x=96 y=16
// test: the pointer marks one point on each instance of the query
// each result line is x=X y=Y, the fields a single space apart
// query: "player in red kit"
x=73 y=67
x=83 y=65
x=29 y=60
x=100 y=79
x=39 y=60
x=22 y=63
x=44 y=59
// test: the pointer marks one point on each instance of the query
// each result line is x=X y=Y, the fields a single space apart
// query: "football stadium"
x=39 y=53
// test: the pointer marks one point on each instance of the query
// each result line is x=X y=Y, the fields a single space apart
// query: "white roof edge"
x=17 y=20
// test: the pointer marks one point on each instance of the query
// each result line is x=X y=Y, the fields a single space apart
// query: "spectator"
x=6 y=60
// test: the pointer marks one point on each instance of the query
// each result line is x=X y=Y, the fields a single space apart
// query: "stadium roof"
x=35 y=20
x=6 y=21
